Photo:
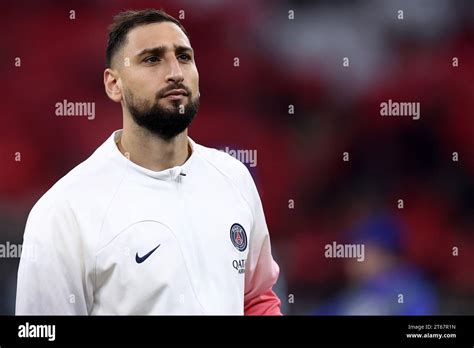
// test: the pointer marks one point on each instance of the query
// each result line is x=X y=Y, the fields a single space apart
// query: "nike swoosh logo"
x=144 y=257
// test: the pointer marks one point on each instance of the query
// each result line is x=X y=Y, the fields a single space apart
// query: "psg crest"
x=238 y=237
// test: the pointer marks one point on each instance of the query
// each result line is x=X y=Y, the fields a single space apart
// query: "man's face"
x=158 y=78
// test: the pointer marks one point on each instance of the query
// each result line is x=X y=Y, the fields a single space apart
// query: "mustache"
x=162 y=92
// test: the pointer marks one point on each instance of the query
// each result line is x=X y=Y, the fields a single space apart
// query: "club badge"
x=238 y=237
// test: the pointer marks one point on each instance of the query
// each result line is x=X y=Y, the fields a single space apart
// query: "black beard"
x=166 y=123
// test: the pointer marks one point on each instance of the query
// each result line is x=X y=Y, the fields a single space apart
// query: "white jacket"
x=112 y=237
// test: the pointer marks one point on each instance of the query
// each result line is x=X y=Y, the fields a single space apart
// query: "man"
x=151 y=223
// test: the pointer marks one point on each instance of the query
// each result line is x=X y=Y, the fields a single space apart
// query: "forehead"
x=154 y=35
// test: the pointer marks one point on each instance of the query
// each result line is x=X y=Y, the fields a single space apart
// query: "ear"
x=112 y=86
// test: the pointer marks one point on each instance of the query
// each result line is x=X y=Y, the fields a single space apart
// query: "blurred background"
x=331 y=62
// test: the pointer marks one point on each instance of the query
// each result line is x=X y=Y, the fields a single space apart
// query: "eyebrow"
x=160 y=50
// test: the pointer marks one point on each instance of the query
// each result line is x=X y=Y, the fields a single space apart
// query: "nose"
x=175 y=74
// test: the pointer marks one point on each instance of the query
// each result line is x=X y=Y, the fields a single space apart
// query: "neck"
x=152 y=152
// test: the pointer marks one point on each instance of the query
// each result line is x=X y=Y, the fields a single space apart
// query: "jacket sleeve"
x=51 y=275
x=261 y=271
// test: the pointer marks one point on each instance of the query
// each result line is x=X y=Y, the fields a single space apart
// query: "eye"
x=151 y=59
x=184 y=56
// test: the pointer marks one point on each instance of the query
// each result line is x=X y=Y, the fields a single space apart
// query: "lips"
x=176 y=92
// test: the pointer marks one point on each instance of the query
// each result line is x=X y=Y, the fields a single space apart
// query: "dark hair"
x=125 y=21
